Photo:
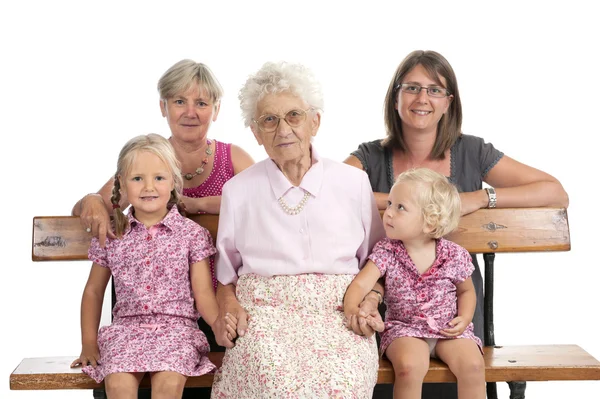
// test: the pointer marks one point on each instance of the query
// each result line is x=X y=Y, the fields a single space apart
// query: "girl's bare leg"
x=122 y=385
x=167 y=385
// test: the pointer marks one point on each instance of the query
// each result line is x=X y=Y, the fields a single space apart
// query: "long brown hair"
x=449 y=126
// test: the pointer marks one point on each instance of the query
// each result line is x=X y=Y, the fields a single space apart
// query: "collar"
x=170 y=221
x=311 y=182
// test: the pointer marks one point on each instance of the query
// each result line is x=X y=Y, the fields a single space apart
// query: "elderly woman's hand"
x=94 y=218
x=366 y=317
x=231 y=323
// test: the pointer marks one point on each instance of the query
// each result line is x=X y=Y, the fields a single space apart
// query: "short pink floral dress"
x=420 y=305
x=154 y=319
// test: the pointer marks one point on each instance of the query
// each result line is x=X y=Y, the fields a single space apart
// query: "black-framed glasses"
x=432 y=91
x=270 y=122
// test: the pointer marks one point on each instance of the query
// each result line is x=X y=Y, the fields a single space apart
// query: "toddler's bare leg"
x=464 y=359
x=410 y=358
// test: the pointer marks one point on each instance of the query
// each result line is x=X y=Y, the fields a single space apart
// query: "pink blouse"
x=333 y=234
x=151 y=267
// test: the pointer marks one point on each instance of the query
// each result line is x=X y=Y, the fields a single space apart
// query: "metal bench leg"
x=517 y=389
x=99 y=394
x=488 y=313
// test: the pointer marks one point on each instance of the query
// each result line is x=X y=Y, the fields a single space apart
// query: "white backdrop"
x=78 y=80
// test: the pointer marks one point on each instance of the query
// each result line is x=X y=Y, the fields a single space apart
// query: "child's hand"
x=457 y=327
x=375 y=323
x=90 y=354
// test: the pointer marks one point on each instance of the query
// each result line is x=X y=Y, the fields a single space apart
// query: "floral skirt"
x=296 y=345
x=149 y=344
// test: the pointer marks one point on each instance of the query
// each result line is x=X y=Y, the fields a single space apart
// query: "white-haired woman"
x=294 y=230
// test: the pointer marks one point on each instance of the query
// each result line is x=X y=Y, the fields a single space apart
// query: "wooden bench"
x=485 y=231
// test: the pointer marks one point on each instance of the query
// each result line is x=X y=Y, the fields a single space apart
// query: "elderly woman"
x=423 y=118
x=190 y=98
x=294 y=230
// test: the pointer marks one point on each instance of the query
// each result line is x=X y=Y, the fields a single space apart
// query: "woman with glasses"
x=423 y=118
x=294 y=230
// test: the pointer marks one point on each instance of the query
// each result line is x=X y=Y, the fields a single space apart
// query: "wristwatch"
x=491 y=197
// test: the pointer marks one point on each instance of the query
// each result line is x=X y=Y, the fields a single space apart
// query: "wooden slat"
x=509 y=363
x=512 y=230
x=62 y=237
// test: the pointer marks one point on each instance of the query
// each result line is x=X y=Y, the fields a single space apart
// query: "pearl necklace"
x=200 y=169
x=296 y=209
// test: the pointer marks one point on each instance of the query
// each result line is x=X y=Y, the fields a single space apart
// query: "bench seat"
x=502 y=363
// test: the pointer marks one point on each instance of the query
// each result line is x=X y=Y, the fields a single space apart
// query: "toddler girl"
x=429 y=294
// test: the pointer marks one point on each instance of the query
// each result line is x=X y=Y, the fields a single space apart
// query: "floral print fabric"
x=420 y=305
x=296 y=345
x=154 y=326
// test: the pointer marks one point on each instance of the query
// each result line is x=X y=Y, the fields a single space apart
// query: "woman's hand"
x=202 y=205
x=231 y=323
x=90 y=354
x=357 y=320
x=470 y=202
x=94 y=217
x=458 y=326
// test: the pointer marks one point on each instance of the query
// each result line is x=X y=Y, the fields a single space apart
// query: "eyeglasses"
x=432 y=91
x=270 y=122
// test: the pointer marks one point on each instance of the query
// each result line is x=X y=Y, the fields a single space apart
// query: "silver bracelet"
x=491 y=197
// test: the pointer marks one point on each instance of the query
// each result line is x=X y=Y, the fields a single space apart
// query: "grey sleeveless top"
x=470 y=160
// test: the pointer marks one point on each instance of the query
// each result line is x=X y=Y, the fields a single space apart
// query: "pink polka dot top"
x=221 y=172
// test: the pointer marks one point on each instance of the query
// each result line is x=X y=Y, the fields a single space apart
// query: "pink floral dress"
x=420 y=305
x=154 y=326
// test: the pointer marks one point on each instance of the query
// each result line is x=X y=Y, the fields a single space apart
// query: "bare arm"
x=361 y=304
x=517 y=186
x=360 y=287
x=466 y=299
x=240 y=158
x=381 y=199
x=204 y=296
x=91 y=310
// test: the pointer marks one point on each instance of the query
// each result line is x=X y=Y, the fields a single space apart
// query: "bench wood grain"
x=508 y=363
x=487 y=230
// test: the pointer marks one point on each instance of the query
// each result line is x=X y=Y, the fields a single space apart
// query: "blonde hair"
x=184 y=75
x=438 y=198
x=158 y=146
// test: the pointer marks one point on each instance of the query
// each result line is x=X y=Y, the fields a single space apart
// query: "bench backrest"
x=484 y=231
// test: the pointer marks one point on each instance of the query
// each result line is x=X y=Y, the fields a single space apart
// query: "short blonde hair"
x=157 y=145
x=184 y=75
x=273 y=78
x=438 y=198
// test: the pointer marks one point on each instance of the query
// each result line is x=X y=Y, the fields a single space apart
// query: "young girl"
x=429 y=294
x=159 y=263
